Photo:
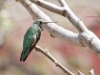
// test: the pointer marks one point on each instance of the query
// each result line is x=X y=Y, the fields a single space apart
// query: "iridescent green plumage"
x=31 y=38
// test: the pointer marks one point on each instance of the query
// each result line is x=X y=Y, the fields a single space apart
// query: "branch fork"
x=85 y=38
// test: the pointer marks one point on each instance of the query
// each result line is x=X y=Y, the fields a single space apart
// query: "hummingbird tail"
x=24 y=56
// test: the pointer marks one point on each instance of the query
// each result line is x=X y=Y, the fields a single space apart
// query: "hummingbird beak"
x=48 y=22
x=45 y=22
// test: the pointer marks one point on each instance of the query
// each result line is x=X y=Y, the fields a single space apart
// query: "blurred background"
x=15 y=20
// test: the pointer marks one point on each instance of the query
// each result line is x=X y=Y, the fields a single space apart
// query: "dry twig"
x=91 y=72
x=47 y=54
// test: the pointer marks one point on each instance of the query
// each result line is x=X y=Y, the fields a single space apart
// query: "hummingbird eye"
x=40 y=22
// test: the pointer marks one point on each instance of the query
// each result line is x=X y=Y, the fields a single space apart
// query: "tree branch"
x=91 y=72
x=72 y=18
x=49 y=6
x=82 y=39
x=85 y=36
x=62 y=3
x=64 y=11
x=79 y=72
x=47 y=54
x=53 y=29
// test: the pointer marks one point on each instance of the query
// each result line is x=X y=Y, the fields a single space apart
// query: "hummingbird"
x=31 y=38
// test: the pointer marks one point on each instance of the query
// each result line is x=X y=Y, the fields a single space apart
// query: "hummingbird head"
x=41 y=23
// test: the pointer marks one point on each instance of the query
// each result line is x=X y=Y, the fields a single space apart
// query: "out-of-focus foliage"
x=15 y=20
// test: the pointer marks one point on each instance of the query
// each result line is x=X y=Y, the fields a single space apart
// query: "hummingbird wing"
x=38 y=35
x=29 y=43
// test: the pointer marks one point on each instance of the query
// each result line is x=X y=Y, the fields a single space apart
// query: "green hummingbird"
x=31 y=38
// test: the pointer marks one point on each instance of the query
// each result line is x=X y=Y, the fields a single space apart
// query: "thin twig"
x=47 y=54
x=79 y=72
x=91 y=72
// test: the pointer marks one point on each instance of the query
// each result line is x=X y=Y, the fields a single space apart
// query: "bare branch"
x=72 y=18
x=66 y=12
x=79 y=72
x=86 y=37
x=53 y=29
x=91 y=72
x=49 y=6
x=47 y=54
x=62 y=3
